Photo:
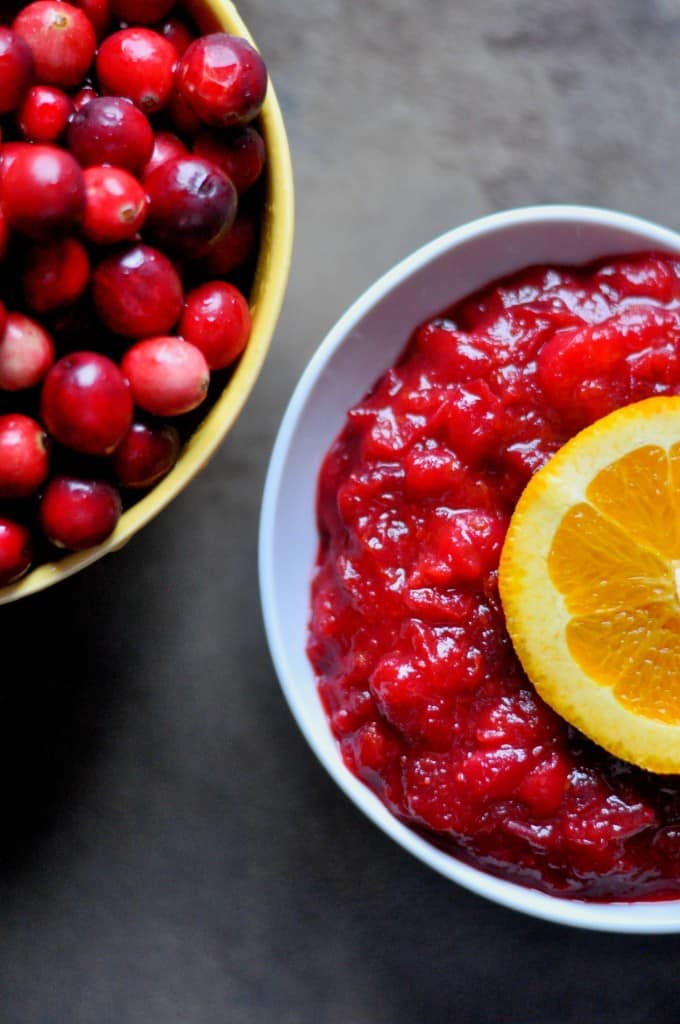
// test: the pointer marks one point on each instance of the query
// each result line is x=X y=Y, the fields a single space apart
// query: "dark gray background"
x=171 y=851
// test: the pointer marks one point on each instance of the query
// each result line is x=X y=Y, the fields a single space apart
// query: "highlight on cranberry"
x=131 y=193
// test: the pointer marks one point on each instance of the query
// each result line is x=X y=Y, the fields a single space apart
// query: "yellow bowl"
x=266 y=297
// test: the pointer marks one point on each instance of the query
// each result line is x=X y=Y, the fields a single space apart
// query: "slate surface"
x=171 y=850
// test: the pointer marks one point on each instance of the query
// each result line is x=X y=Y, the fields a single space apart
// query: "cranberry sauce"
x=423 y=690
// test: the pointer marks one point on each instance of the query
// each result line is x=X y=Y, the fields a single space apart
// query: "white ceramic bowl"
x=361 y=346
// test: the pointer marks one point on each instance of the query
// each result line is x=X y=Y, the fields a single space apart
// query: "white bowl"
x=361 y=346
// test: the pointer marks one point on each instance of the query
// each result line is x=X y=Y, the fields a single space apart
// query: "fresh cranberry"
x=146 y=454
x=16 y=69
x=115 y=205
x=235 y=248
x=16 y=552
x=165 y=147
x=140 y=64
x=86 y=403
x=168 y=376
x=44 y=113
x=137 y=292
x=84 y=96
x=192 y=203
x=43 y=191
x=24 y=460
x=110 y=130
x=55 y=274
x=239 y=152
x=26 y=353
x=4 y=235
x=76 y=514
x=216 y=319
x=177 y=32
x=61 y=38
x=99 y=13
x=223 y=78
x=141 y=12
x=183 y=119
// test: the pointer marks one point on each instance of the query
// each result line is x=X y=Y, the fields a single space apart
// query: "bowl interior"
x=265 y=299
x=362 y=345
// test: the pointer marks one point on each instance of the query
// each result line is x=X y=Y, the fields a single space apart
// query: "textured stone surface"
x=171 y=849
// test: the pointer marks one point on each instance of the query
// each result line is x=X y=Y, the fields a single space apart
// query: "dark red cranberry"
x=44 y=113
x=4 y=235
x=99 y=13
x=61 y=38
x=183 y=119
x=24 y=460
x=16 y=552
x=235 y=248
x=137 y=292
x=84 y=96
x=239 y=152
x=86 y=403
x=16 y=69
x=3 y=319
x=141 y=12
x=115 y=205
x=177 y=32
x=55 y=274
x=140 y=64
x=165 y=147
x=168 y=376
x=77 y=514
x=216 y=319
x=223 y=78
x=146 y=454
x=192 y=203
x=43 y=192
x=26 y=353
x=110 y=130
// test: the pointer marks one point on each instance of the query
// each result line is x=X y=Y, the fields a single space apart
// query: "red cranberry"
x=140 y=64
x=239 y=152
x=177 y=32
x=216 y=320
x=84 y=96
x=137 y=292
x=192 y=204
x=16 y=552
x=44 y=113
x=235 y=248
x=99 y=13
x=223 y=78
x=110 y=130
x=165 y=147
x=56 y=273
x=168 y=376
x=43 y=191
x=86 y=403
x=115 y=205
x=141 y=12
x=182 y=117
x=76 y=514
x=61 y=38
x=26 y=353
x=146 y=454
x=16 y=69
x=24 y=460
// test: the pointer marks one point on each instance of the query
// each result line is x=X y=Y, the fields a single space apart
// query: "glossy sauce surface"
x=423 y=690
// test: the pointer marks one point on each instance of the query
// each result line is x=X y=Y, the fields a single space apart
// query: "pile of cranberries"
x=129 y=210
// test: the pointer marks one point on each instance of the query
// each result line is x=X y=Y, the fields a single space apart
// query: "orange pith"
x=590 y=582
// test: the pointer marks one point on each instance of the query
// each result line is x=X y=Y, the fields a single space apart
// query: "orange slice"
x=590 y=582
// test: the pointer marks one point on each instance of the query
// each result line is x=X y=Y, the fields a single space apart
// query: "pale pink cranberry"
x=62 y=41
x=77 y=514
x=56 y=273
x=86 y=403
x=115 y=205
x=145 y=455
x=16 y=552
x=16 y=69
x=137 y=292
x=223 y=78
x=216 y=319
x=26 y=353
x=24 y=459
x=43 y=192
x=139 y=64
x=166 y=145
x=168 y=376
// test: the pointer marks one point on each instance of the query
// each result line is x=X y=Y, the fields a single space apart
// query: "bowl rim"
x=265 y=300
x=624 y=917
